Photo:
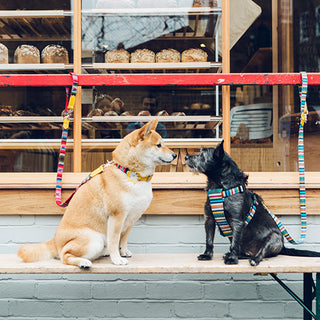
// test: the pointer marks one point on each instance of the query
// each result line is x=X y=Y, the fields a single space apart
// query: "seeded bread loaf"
x=194 y=55
x=143 y=56
x=117 y=56
x=54 y=53
x=168 y=55
x=27 y=54
x=4 y=57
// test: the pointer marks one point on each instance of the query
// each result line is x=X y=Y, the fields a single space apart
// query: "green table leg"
x=318 y=296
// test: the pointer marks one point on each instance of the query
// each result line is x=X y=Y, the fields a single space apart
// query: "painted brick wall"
x=145 y=296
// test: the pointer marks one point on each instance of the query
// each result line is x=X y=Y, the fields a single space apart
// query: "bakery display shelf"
x=17 y=123
x=31 y=24
x=110 y=123
x=181 y=11
x=59 y=119
x=173 y=119
x=37 y=67
x=152 y=67
x=93 y=145
x=30 y=119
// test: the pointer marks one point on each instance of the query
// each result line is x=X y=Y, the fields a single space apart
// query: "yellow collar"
x=132 y=175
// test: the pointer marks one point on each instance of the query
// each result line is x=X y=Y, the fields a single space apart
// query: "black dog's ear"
x=219 y=151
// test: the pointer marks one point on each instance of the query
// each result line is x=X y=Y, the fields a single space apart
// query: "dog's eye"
x=159 y=145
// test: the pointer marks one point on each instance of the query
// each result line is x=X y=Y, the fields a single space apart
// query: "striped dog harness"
x=216 y=197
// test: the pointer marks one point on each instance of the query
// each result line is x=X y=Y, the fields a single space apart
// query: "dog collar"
x=132 y=175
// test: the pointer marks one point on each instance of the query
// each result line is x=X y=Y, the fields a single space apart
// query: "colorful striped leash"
x=65 y=127
x=302 y=188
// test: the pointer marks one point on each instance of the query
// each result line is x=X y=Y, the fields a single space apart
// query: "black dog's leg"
x=271 y=246
x=232 y=256
x=210 y=225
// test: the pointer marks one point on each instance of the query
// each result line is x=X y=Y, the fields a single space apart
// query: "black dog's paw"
x=254 y=261
x=205 y=256
x=230 y=258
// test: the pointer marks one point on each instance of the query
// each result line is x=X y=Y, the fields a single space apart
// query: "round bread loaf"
x=111 y=113
x=95 y=113
x=194 y=55
x=143 y=56
x=4 y=57
x=143 y=113
x=127 y=114
x=117 y=56
x=178 y=114
x=168 y=55
x=7 y=111
x=27 y=54
x=54 y=53
x=162 y=113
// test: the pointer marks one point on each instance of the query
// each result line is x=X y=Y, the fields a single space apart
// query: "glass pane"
x=30 y=127
x=184 y=112
x=35 y=38
x=265 y=120
x=143 y=36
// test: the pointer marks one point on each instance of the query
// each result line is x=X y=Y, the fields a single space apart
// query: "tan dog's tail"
x=37 y=252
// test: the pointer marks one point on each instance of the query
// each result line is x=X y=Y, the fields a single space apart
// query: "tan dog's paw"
x=125 y=252
x=119 y=261
x=84 y=263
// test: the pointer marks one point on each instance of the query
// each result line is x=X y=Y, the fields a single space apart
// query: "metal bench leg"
x=295 y=297
x=308 y=294
x=317 y=290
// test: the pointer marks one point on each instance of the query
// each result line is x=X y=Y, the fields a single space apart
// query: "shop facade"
x=259 y=123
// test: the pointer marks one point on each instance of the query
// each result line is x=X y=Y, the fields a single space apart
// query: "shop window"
x=304 y=26
x=317 y=13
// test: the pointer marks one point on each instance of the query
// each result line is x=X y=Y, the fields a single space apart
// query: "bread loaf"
x=111 y=113
x=6 y=111
x=27 y=54
x=54 y=53
x=162 y=113
x=117 y=56
x=168 y=55
x=194 y=55
x=143 y=56
x=4 y=57
x=144 y=113
x=95 y=113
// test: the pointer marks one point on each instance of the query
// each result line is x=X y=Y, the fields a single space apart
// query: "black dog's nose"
x=186 y=157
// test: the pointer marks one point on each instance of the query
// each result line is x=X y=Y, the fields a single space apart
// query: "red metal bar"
x=201 y=79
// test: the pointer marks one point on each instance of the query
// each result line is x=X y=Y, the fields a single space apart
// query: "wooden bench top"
x=164 y=263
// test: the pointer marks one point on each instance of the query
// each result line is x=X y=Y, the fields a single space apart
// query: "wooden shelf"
x=103 y=122
x=154 y=11
x=31 y=25
x=97 y=144
x=37 y=67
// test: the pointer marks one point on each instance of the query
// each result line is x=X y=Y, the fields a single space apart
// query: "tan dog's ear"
x=144 y=132
x=154 y=124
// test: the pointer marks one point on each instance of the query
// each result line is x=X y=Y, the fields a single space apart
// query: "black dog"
x=256 y=239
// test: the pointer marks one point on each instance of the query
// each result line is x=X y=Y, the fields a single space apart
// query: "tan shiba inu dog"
x=102 y=212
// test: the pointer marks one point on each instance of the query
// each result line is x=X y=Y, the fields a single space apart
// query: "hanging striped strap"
x=216 y=203
x=303 y=213
x=302 y=187
x=65 y=127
